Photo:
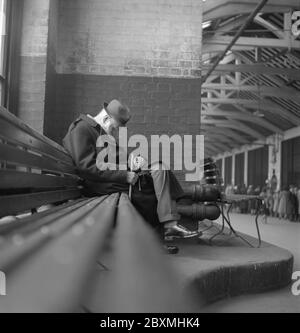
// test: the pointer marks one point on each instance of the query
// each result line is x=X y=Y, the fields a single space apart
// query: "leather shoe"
x=178 y=231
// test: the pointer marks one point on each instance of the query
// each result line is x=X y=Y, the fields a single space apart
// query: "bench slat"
x=139 y=276
x=14 y=130
x=12 y=253
x=10 y=179
x=54 y=276
x=14 y=204
x=41 y=217
x=23 y=157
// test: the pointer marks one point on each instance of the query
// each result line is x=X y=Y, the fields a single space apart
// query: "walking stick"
x=131 y=168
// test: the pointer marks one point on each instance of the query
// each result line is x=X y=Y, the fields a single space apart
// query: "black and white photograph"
x=150 y=160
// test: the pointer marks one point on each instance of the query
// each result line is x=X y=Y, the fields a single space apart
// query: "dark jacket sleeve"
x=81 y=145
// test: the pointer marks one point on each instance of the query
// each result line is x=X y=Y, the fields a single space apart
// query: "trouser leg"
x=166 y=206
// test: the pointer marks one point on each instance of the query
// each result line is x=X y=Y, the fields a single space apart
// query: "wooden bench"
x=51 y=258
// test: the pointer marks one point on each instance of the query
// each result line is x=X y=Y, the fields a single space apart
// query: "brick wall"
x=53 y=32
x=159 y=105
x=33 y=62
x=130 y=37
x=144 y=52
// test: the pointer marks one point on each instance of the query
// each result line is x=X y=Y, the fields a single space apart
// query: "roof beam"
x=275 y=79
x=253 y=104
x=208 y=152
x=269 y=26
x=266 y=105
x=233 y=40
x=229 y=132
x=231 y=25
x=252 y=42
x=291 y=73
x=281 y=92
x=234 y=124
x=219 y=136
x=215 y=48
x=241 y=116
x=224 y=8
x=212 y=147
x=278 y=81
x=221 y=146
x=222 y=138
x=236 y=23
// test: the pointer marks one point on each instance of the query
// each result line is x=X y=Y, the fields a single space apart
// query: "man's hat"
x=118 y=111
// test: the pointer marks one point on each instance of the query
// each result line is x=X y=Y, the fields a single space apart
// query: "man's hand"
x=139 y=162
x=132 y=177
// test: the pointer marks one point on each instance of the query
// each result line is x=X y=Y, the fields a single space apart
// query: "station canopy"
x=254 y=91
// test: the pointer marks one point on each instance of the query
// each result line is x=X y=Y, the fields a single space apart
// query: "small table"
x=230 y=200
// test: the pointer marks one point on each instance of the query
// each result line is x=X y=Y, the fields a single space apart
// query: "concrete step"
x=230 y=267
x=202 y=273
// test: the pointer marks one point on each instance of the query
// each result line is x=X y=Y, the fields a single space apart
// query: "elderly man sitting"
x=154 y=192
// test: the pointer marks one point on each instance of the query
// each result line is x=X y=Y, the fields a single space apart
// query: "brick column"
x=33 y=62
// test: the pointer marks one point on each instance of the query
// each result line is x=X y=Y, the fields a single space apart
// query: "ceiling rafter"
x=229 y=132
x=255 y=68
x=224 y=8
x=235 y=125
x=282 y=91
x=241 y=116
x=264 y=104
x=212 y=147
x=260 y=73
x=224 y=138
x=220 y=145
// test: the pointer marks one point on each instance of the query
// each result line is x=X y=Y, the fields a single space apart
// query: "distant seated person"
x=154 y=191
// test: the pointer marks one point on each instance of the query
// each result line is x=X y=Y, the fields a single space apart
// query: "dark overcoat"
x=80 y=141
